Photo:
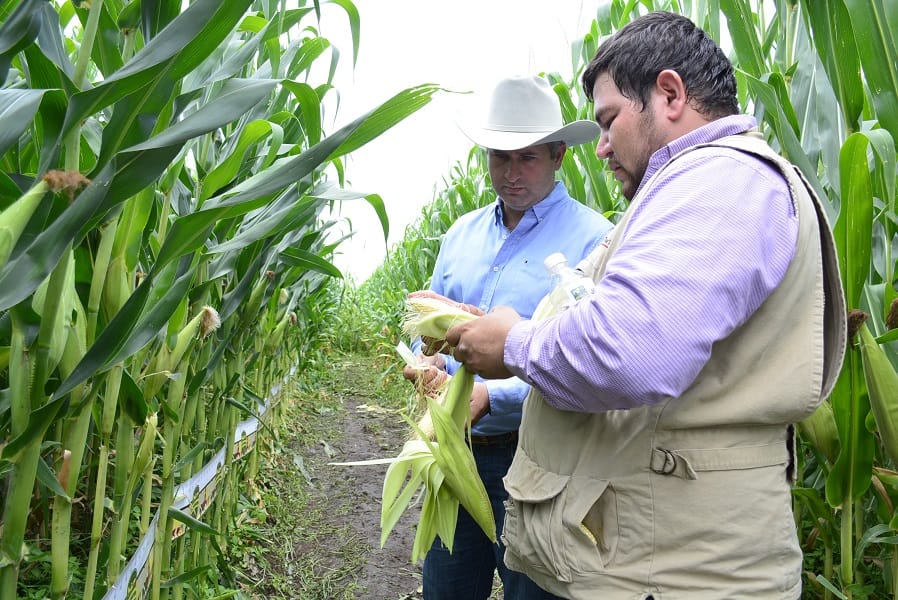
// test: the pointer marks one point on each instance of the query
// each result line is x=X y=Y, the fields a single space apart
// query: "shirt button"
x=495 y=269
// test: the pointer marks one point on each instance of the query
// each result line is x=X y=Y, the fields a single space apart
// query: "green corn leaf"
x=17 y=109
x=834 y=40
x=47 y=478
x=849 y=477
x=882 y=388
x=18 y=31
x=854 y=228
x=310 y=108
x=310 y=261
x=252 y=134
x=190 y=38
x=188 y=575
x=195 y=524
x=877 y=47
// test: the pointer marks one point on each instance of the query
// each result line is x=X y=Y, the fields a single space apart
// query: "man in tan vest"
x=655 y=451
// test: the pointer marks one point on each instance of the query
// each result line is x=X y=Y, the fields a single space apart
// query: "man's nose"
x=512 y=172
x=603 y=147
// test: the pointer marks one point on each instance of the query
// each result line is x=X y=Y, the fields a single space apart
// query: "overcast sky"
x=464 y=45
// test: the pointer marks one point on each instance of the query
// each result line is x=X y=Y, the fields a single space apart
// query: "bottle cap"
x=553 y=260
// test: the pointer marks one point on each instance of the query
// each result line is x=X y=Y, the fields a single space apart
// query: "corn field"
x=164 y=269
x=165 y=266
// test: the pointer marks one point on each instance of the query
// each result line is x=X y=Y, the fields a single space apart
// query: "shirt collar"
x=541 y=208
x=714 y=130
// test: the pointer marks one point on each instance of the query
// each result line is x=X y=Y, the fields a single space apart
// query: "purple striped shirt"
x=703 y=249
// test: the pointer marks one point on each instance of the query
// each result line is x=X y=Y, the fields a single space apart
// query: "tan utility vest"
x=687 y=499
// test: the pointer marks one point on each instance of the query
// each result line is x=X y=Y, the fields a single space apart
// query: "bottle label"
x=578 y=292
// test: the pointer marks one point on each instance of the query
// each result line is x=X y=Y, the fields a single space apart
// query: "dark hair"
x=555 y=148
x=638 y=52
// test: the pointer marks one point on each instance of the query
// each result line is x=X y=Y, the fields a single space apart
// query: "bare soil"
x=321 y=536
x=352 y=495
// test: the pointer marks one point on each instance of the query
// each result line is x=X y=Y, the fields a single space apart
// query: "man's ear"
x=562 y=148
x=671 y=88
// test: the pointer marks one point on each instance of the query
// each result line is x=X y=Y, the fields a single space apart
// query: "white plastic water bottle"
x=569 y=284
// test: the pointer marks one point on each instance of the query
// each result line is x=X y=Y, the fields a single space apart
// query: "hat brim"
x=572 y=134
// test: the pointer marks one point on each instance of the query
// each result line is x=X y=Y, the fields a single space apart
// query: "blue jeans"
x=467 y=573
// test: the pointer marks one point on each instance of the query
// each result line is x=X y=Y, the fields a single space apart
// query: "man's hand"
x=429 y=382
x=480 y=402
x=411 y=372
x=433 y=346
x=480 y=344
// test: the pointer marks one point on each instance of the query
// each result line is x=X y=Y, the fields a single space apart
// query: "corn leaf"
x=882 y=388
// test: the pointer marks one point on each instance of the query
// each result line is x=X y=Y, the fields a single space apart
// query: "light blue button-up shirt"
x=482 y=263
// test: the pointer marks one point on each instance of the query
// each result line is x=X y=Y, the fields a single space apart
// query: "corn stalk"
x=196 y=144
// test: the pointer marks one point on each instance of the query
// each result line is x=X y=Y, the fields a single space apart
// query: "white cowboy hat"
x=523 y=112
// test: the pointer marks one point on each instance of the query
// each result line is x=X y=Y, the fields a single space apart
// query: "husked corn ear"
x=425 y=429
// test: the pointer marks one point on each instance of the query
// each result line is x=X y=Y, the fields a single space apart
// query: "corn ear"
x=425 y=423
x=821 y=432
x=439 y=464
x=882 y=388
x=14 y=218
x=144 y=453
x=429 y=317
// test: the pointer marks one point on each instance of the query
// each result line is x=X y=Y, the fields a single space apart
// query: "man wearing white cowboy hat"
x=493 y=256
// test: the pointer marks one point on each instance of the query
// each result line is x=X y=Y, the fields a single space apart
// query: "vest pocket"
x=559 y=524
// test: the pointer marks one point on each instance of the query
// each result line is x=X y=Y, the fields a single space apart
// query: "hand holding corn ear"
x=480 y=344
x=430 y=381
x=428 y=373
x=435 y=344
x=442 y=464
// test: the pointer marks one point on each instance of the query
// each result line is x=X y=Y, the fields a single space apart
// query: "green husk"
x=882 y=388
x=439 y=464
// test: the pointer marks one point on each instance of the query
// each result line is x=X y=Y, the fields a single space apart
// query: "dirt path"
x=321 y=535
x=352 y=495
